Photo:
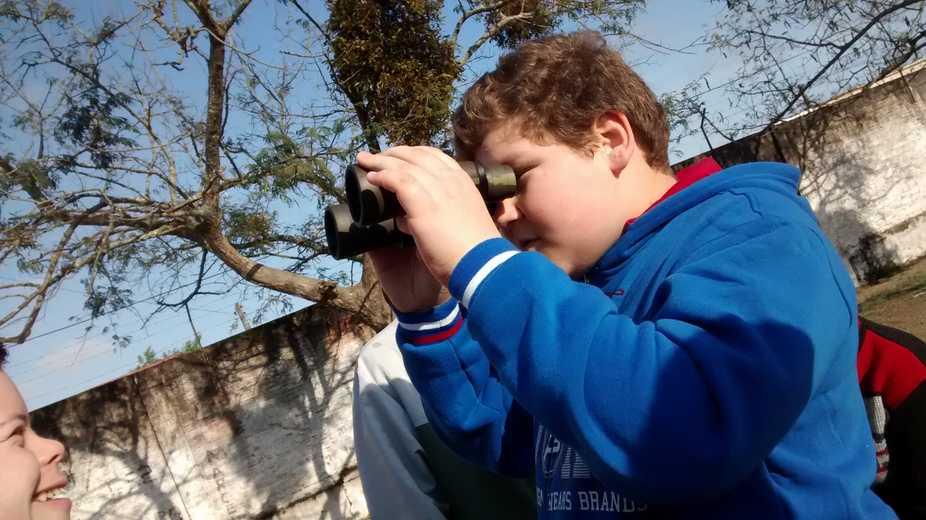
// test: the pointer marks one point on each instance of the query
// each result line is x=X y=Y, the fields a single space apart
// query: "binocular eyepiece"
x=367 y=221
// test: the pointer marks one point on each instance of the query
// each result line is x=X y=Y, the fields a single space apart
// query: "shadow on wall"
x=295 y=422
x=831 y=146
x=258 y=426
x=283 y=393
x=111 y=423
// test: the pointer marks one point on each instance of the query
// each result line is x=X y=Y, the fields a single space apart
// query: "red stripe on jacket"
x=888 y=369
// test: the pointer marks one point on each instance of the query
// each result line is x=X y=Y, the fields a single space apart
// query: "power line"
x=166 y=319
x=143 y=328
x=85 y=381
x=66 y=289
x=118 y=309
x=120 y=370
x=67 y=389
x=734 y=80
x=84 y=360
x=130 y=305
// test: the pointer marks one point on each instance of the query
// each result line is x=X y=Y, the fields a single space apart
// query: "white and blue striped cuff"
x=431 y=326
x=476 y=266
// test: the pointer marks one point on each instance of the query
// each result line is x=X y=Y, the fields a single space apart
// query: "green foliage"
x=103 y=298
x=91 y=121
x=18 y=238
x=247 y=224
x=30 y=175
x=189 y=346
x=49 y=11
x=616 y=16
x=390 y=60
x=147 y=357
x=535 y=18
x=539 y=18
x=283 y=166
x=30 y=266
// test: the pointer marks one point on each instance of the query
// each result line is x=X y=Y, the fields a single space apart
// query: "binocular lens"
x=333 y=229
x=368 y=204
x=346 y=238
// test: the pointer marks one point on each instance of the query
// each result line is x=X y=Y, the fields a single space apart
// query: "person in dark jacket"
x=892 y=375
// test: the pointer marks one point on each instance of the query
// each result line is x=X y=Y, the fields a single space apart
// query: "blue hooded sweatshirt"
x=705 y=368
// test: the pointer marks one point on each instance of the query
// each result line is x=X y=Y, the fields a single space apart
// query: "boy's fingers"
x=431 y=160
x=379 y=161
x=417 y=175
x=407 y=187
x=449 y=163
x=405 y=161
x=402 y=223
x=445 y=159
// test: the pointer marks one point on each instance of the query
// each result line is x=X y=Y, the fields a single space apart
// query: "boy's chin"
x=565 y=264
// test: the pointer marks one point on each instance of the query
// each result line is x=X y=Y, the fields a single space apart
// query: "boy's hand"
x=405 y=279
x=443 y=208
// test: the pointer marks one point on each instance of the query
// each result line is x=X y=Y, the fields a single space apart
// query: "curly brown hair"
x=557 y=87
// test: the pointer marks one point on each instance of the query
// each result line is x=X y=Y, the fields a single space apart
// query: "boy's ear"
x=612 y=129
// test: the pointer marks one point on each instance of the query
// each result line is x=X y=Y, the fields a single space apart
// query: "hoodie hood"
x=775 y=177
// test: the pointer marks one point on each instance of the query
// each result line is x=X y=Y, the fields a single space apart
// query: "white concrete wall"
x=863 y=159
x=256 y=427
x=865 y=175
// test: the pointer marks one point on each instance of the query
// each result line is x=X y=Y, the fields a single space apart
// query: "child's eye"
x=523 y=174
x=17 y=438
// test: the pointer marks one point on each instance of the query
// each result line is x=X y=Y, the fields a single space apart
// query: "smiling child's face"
x=28 y=463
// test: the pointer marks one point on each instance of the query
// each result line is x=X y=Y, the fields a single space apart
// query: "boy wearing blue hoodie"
x=650 y=346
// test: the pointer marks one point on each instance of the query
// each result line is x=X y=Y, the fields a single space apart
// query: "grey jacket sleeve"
x=396 y=479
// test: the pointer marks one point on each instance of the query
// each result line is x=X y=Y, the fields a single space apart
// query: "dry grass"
x=898 y=301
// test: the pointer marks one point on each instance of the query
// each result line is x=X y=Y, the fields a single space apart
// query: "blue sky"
x=62 y=359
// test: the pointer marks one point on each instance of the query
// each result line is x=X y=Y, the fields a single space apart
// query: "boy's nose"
x=505 y=213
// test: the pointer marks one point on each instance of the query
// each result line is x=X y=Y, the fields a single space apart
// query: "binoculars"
x=367 y=221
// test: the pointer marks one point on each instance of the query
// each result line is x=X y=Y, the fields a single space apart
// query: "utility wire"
x=166 y=319
x=118 y=309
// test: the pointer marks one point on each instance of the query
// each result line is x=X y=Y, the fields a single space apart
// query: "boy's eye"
x=523 y=173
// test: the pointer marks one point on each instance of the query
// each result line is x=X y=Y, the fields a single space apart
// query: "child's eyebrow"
x=507 y=159
x=17 y=417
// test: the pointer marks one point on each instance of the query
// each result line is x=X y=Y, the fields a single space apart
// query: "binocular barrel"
x=367 y=221
x=369 y=204
x=346 y=238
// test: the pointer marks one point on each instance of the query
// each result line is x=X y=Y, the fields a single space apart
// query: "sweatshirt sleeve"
x=467 y=406
x=687 y=401
x=892 y=364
